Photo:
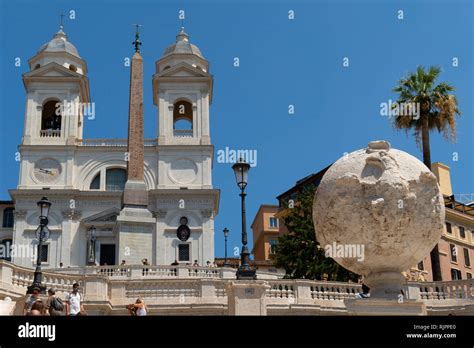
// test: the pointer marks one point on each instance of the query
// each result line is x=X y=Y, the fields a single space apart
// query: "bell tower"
x=182 y=90
x=185 y=202
x=57 y=89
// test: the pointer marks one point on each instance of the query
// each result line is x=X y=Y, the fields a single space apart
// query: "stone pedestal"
x=134 y=230
x=247 y=298
x=135 y=193
x=373 y=306
x=385 y=285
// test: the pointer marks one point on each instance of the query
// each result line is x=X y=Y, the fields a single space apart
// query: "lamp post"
x=241 y=170
x=44 y=205
x=226 y=234
x=92 y=238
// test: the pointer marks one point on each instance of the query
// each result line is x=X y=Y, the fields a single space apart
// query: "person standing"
x=74 y=301
x=123 y=270
x=145 y=263
x=30 y=300
x=54 y=305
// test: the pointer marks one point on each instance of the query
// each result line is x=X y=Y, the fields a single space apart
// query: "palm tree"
x=437 y=108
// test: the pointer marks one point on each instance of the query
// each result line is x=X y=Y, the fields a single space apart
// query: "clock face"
x=47 y=170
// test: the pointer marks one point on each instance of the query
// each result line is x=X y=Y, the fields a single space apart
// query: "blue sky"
x=282 y=62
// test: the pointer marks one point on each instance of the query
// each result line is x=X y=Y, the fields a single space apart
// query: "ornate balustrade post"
x=247 y=297
x=208 y=291
x=135 y=273
x=227 y=273
x=183 y=272
x=302 y=292
x=95 y=288
x=412 y=291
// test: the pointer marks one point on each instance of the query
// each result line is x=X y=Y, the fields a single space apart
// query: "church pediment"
x=183 y=70
x=106 y=216
x=52 y=69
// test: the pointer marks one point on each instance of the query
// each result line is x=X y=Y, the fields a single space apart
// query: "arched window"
x=51 y=119
x=72 y=67
x=115 y=179
x=5 y=249
x=8 y=218
x=37 y=66
x=95 y=184
x=183 y=119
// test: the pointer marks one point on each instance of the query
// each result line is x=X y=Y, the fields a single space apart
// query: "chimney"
x=444 y=178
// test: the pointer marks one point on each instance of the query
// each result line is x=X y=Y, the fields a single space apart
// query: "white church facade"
x=84 y=178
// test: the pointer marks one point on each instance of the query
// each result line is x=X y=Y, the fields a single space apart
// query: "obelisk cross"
x=137 y=43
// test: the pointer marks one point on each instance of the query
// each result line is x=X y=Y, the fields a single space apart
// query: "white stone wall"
x=179 y=168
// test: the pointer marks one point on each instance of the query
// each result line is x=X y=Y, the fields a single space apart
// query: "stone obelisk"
x=135 y=193
x=135 y=224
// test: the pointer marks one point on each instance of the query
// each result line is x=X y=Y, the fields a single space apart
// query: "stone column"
x=206 y=251
x=67 y=227
x=19 y=238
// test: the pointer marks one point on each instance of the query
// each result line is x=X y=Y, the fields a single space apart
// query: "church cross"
x=137 y=43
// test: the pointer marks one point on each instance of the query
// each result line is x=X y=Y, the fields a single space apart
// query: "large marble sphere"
x=387 y=202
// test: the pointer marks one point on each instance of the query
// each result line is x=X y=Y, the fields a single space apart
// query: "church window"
x=8 y=218
x=51 y=119
x=72 y=67
x=183 y=118
x=183 y=252
x=95 y=184
x=37 y=66
x=115 y=179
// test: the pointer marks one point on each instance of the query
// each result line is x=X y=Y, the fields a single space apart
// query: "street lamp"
x=226 y=234
x=44 y=205
x=241 y=170
x=92 y=238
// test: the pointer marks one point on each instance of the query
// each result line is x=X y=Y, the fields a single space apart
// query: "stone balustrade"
x=456 y=289
x=202 y=290
x=111 y=142
x=183 y=133
x=50 y=133
x=156 y=272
